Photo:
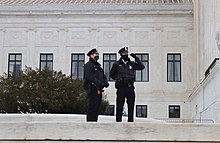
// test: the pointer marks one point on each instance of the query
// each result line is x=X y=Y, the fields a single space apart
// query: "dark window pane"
x=12 y=57
x=138 y=75
x=170 y=57
x=77 y=64
x=174 y=111
x=50 y=66
x=108 y=61
x=141 y=111
x=14 y=64
x=43 y=57
x=46 y=61
x=143 y=75
x=110 y=110
x=174 y=68
x=82 y=57
x=177 y=57
x=106 y=57
x=112 y=57
x=50 y=57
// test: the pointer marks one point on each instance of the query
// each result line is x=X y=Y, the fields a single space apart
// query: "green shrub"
x=34 y=91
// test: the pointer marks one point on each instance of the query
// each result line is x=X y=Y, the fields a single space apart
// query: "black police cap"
x=122 y=50
x=92 y=52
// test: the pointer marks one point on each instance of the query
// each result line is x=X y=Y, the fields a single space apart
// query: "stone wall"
x=205 y=100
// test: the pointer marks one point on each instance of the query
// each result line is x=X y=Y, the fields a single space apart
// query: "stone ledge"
x=64 y=128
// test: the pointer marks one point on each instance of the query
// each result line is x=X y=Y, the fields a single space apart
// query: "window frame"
x=72 y=60
x=111 y=106
x=46 y=60
x=14 y=61
x=147 y=68
x=142 y=111
x=174 y=106
x=173 y=62
x=109 y=61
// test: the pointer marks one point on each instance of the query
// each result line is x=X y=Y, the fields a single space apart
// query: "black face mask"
x=96 y=58
x=124 y=57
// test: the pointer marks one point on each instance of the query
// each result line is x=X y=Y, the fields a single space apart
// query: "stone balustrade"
x=52 y=128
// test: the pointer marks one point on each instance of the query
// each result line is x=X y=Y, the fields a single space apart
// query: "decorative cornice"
x=62 y=29
x=118 y=8
x=107 y=2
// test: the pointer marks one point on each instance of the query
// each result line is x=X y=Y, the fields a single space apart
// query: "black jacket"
x=94 y=75
x=124 y=74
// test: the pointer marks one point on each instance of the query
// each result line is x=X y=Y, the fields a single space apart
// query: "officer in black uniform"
x=94 y=82
x=123 y=71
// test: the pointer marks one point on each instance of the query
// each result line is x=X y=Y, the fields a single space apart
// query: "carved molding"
x=158 y=28
x=126 y=29
x=62 y=29
x=94 y=29
x=31 y=29
x=2 y=29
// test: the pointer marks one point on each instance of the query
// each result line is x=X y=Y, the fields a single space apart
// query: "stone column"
x=62 y=58
x=1 y=51
x=31 y=53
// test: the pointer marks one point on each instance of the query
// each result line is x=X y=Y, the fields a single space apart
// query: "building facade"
x=169 y=36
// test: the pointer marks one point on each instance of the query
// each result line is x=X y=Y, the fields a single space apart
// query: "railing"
x=207 y=72
x=177 y=120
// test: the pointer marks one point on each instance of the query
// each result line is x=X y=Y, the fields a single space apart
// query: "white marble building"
x=174 y=38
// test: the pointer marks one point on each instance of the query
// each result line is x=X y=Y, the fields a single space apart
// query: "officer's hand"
x=106 y=85
x=133 y=55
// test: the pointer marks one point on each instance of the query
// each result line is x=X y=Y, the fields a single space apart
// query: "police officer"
x=94 y=82
x=123 y=71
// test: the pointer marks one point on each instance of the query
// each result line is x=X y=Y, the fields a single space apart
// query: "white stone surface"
x=49 y=128
x=206 y=97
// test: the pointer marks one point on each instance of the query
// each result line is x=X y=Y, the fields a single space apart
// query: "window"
x=141 y=111
x=174 y=111
x=173 y=67
x=108 y=60
x=110 y=110
x=14 y=64
x=143 y=75
x=77 y=63
x=46 y=61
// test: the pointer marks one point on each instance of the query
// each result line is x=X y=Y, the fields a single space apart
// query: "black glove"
x=133 y=55
x=106 y=85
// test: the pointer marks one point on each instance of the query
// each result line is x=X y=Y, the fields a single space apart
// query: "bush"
x=34 y=91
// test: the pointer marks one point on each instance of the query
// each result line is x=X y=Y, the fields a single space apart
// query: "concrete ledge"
x=50 y=128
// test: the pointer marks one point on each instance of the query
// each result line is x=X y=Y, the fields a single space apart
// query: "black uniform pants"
x=93 y=105
x=122 y=93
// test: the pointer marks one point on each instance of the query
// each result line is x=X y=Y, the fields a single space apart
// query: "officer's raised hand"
x=133 y=55
x=106 y=85
x=102 y=85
